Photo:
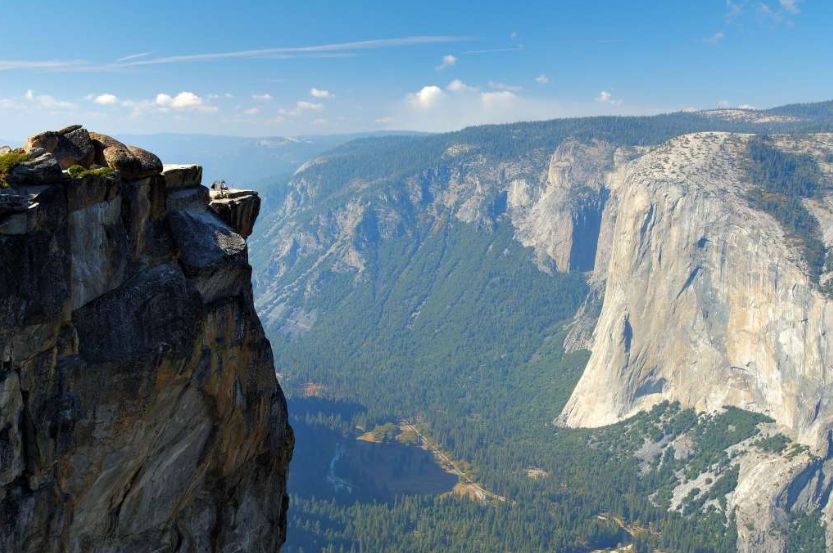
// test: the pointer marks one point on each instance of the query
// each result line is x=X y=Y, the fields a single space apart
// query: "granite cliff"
x=139 y=409
x=708 y=301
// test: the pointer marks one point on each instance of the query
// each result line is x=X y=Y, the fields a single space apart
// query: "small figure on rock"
x=220 y=187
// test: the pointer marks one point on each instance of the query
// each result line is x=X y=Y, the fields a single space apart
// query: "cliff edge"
x=139 y=408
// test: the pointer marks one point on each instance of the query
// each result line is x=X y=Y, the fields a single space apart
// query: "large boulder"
x=70 y=146
x=131 y=161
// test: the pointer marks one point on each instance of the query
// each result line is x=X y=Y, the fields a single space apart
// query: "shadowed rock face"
x=139 y=409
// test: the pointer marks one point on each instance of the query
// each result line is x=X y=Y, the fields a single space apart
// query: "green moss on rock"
x=8 y=161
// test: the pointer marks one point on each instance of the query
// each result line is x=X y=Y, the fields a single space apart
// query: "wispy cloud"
x=771 y=11
x=301 y=107
x=494 y=50
x=715 y=38
x=33 y=101
x=790 y=5
x=265 y=97
x=542 y=79
x=334 y=50
x=46 y=101
x=734 y=9
x=8 y=65
x=606 y=97
x=497 y=85
x=448 y=61
x=133 y=57
x=459 y=86
x=296 y=50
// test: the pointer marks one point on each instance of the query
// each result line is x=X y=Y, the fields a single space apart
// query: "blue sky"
x=313 y=67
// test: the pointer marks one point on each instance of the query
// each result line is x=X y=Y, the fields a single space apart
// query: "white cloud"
x=183 y=101
x=386 y=120
x=320 y=93
x=542 y=79
x=723 y=104
x=689 y=109
x=428 y=97
x=303 y=105
x=106 y=99
x=460 y=104
x=46 y=102
x=497 y=100
x=251 y=111
x=265 y=97
x=715 y=38
x=746 y=106
x=320 y=122
x=459 y=86
x=448 y=61
x=606 y=97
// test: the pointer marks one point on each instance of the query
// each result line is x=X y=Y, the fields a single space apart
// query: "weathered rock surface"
x=706 y=301
x=139 y=409
x=41 y=168
x=70 y=146
x=182 y=176
x=238 y=208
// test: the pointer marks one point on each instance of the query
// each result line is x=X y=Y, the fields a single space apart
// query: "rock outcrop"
x=139 y=409
x=238 y=208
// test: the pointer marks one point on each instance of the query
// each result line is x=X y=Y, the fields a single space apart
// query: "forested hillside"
x=392 y=278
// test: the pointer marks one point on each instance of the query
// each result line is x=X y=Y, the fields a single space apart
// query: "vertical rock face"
x=561 y=218
x=139 y=409
x=707 y=301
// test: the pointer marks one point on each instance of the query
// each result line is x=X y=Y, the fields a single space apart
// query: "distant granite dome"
x=139 y=408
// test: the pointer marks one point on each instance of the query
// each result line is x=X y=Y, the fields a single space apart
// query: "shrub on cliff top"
x=79 y=172
x=8 y=162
